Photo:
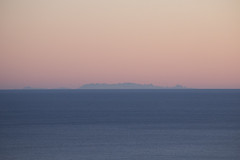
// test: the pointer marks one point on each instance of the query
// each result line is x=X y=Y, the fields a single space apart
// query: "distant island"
x=127 y=86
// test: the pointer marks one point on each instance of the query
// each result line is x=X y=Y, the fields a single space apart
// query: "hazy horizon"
x=118 y=86
x=67 y=43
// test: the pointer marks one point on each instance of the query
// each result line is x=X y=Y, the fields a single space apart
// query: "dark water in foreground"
x=120 y=125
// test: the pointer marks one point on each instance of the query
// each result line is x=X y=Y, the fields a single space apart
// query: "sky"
x=68 y=43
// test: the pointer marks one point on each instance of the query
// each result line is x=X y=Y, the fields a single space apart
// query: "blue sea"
x=120 y=124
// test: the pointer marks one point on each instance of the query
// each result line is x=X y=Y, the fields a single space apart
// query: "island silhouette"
x=127 y=86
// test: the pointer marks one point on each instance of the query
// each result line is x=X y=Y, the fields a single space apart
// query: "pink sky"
x=67 y=43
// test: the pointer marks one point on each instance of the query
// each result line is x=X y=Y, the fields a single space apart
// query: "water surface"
x=120 y=124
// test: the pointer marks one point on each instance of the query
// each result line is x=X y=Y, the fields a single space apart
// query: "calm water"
x=120 y=125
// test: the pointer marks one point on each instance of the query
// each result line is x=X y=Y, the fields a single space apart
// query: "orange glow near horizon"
x=68 y=43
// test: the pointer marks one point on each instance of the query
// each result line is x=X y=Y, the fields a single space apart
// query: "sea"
x=167 y=124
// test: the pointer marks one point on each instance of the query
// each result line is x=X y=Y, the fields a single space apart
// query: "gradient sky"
x=67 y=43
